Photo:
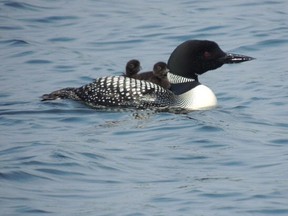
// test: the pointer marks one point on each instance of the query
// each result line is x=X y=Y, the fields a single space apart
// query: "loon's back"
x=117 y=91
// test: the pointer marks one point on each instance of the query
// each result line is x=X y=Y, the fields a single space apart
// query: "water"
x=63 y=158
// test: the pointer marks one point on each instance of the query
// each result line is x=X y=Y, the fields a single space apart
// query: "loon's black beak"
x=231 y=58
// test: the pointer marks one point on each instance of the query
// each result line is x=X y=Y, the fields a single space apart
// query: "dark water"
x=62 y=158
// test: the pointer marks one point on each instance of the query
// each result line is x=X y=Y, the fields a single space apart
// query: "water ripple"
x=51 y=19
x=15 y=42
x=23 y=6
x=20 y=176
x=38 y=61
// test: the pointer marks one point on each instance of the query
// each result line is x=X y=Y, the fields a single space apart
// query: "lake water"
x=63 y=158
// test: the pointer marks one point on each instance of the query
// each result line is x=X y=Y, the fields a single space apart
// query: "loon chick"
x=187 y=61
x=132 y=68
x=159 y=77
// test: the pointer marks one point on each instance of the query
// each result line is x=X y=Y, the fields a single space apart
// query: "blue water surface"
x=63 y=158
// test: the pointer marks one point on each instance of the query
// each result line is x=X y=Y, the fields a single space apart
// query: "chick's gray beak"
x=231 y=58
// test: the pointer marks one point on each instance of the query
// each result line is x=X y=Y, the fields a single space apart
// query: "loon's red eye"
x=207 y=55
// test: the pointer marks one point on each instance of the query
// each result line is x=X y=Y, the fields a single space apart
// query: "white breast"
x=199 y=98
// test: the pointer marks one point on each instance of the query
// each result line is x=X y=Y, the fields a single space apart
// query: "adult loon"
x=187 y=61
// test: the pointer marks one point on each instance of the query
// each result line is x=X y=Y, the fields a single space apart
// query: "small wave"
x=59 y=172
x=20 y=176
x=208 y=128
x=61 y=39
x=272 y=43
x=10 y=28
x=280 y=141
x=38 y=61
x=24 y=6
x=52 y=19
x=14 y=42
x=26 y=209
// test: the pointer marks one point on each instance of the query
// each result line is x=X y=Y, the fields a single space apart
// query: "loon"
x=159 y=77
x=132 y=68
x=187 y=61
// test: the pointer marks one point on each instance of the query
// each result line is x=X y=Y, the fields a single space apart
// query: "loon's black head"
x=195 y=57
x=132 y=67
